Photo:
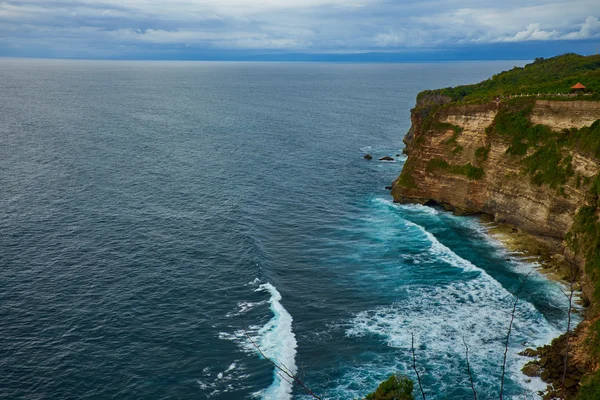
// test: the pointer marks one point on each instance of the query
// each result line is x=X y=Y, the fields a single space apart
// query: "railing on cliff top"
x=512 y=96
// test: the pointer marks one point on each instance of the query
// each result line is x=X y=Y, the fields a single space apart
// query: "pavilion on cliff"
x=578 y=88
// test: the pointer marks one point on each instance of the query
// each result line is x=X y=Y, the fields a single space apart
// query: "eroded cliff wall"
x=534 y=165
x=457 y=160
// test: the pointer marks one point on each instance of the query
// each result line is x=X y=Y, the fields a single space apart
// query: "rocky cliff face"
x=534 y=165
x=565 y=114
x=455 y=136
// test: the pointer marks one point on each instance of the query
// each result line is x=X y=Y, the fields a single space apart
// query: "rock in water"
x=532 y=369
x=386 y=158
x=368 y=157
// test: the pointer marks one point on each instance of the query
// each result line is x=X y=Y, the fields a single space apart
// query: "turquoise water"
x=150 y=212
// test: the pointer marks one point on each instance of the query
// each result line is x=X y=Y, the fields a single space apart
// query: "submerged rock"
x=386 y=158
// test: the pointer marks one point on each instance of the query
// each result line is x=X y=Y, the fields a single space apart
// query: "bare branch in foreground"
x=280 y=370
x=571 y=291
x=512 y=319
x=415 y=365
x=469 y=369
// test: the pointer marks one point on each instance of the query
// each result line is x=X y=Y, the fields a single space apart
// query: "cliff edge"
x=530 y=159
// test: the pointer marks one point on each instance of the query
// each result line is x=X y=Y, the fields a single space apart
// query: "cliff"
x=456 y=159
x=530 y=163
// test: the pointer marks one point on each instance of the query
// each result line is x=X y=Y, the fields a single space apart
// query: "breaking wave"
x=276 y=340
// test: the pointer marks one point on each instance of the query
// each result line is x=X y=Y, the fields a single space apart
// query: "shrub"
x=396 y=387
x=406 y=180
x=467 y=170
x=481 y=154
x=590 y=390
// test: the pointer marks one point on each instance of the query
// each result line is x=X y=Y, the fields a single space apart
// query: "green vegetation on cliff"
x=546 y=154
x=546 y=76
x=407 y=181
x=584 y=238
x=481 y=154
x=590 y=390
x=467 y=170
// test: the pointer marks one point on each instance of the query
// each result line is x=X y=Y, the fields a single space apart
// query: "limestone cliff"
x=457 y=135
x=529 y=163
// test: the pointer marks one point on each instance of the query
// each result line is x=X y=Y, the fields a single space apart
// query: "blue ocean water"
x=156 y=218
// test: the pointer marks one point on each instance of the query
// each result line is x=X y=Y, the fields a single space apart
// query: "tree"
x=396 y=387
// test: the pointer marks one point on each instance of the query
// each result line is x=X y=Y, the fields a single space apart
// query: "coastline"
x=544 y=363
x=532 y=165
x=549 y=255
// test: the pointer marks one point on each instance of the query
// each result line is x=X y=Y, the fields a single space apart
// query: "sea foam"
x=476 y=308
x=275 y=340
x=278 y=342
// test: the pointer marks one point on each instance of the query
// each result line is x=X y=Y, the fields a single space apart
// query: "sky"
x=321 y=30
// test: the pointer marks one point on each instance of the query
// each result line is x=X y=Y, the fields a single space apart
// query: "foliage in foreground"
x=396 y=387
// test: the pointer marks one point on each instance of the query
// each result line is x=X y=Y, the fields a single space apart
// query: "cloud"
x=232 y=40
x=391 y=39
x=589 y=29
x=533 y=32
x=83 y=27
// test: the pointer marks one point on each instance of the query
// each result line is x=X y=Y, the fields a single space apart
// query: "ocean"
x=162 y=221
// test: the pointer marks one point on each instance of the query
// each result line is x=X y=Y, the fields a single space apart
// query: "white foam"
x=231 y=367
x=254 y=282
x=419 y=208
x=440 y=317
x=202 y=385
x=401 y=157
x=442 y=252
x=244 y=307
x=229 y=380
x=278 y=342
x=477 y=308
x=407 y=207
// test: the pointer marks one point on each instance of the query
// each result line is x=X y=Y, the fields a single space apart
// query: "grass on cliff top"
x=552 y=75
